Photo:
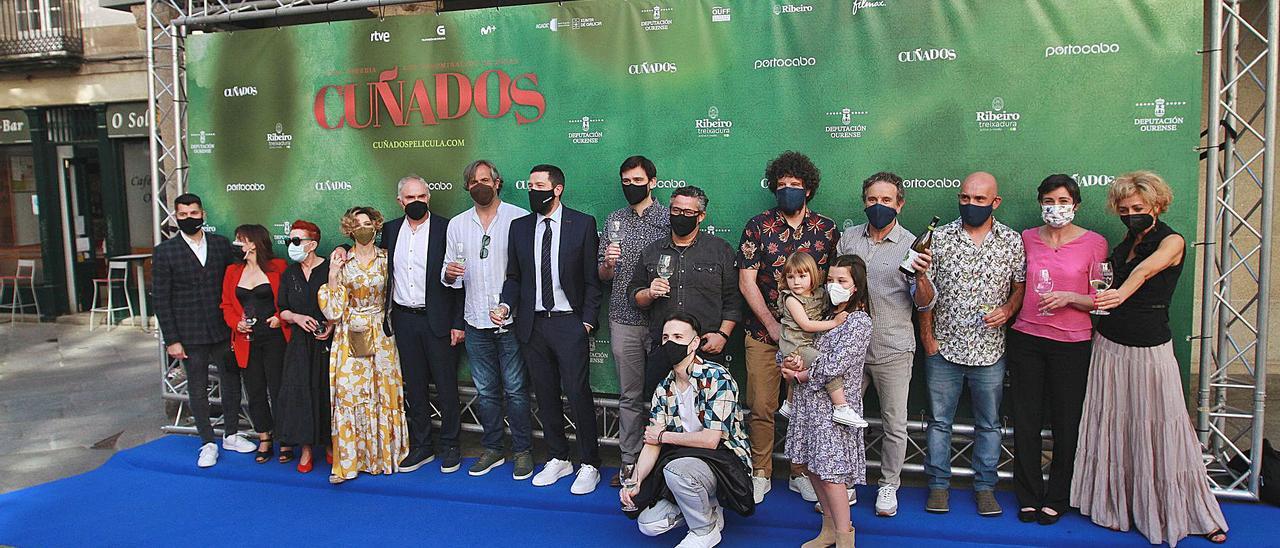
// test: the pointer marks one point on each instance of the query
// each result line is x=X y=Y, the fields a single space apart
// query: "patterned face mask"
x=1058 y=215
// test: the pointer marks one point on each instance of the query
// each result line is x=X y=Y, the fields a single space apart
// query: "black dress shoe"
x=1028 y=516
x=452 y=460
x=417 y=457
x=1047 y=519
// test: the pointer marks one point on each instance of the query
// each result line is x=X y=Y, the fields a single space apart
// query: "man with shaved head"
x=979 y=273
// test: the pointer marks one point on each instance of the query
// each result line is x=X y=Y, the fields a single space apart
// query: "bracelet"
x=722 y=334
x=660 y=436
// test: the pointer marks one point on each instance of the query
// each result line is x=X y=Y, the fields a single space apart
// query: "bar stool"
x=117 y=272
x=15 y=304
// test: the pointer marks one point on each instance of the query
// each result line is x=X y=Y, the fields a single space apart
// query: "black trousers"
x=199 y=358
x=1045 y=373
x=261 y=376
x=556 y=357
x=426 y=359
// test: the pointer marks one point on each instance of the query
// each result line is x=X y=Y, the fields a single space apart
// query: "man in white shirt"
x=476 y=260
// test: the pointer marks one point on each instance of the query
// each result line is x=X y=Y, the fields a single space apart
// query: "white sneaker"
x=800 y=484
x=587 y=480
x=887 y=501
x=785 y=410
x=208 y=455
x=237 y=443
x=845 y=415
x=708 y=540
x=552 y=472
x=760 y=487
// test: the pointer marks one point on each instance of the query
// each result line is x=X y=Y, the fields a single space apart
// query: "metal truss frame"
x=1240 y=170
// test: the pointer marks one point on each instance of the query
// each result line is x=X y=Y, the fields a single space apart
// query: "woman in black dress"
x=303 y=412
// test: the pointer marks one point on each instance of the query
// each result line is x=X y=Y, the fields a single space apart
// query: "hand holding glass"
x=630 y=485
x=1100 y=278
x=1044 y=286
x=665 y=268
x=496 y=308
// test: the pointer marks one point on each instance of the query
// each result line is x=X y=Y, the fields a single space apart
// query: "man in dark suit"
x=426 y=318
x=553 y=287
x=186 y=275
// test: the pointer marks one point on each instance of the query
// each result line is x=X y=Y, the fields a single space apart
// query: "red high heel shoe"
x=304 y=468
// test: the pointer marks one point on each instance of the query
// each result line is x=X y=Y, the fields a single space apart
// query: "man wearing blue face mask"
x=882 y=242
x=979 y=271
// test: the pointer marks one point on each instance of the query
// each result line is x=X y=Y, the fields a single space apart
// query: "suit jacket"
x=444 y=304
x=233 y=311
x=188 y=296
x=579 y=243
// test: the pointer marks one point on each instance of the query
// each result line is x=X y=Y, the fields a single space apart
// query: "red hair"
x=310 y=228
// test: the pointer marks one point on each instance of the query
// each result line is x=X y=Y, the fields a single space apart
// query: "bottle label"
x=908 y=263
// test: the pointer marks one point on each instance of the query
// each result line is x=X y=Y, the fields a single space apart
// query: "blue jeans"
x=497 y=371
x=986 y=386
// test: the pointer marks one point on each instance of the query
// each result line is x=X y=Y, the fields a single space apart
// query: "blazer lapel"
x=567 y=227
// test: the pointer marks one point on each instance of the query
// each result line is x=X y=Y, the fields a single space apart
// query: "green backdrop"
x=303 y=122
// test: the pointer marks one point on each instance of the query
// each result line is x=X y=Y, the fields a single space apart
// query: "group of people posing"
x=337 y=354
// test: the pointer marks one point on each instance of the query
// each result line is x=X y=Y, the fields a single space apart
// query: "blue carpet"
x=155 y=495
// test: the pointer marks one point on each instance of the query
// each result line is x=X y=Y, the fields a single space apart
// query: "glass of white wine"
x=460 y=252
x=495 y=307
x=983 y=310
x=615 y=232
x=665 y=269
x=1044 y=286
x=1100 y=278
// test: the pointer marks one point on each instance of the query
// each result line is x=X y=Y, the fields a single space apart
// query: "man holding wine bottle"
x=979 y=271
x=898 y=271
x=476 y=259
x=628 y=231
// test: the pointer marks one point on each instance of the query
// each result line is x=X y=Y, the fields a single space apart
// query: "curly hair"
x=1146 y=184
x=349 y=223
x=794 y=164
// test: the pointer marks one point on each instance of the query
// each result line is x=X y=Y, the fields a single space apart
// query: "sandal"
x=263 y=456
x=286 y=455
x=1218 y=536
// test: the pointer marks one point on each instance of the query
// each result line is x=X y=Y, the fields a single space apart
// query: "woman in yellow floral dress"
x=370 y=433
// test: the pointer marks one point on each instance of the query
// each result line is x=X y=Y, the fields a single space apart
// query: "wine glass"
x=983 y=310
x=665 y=268
x=495 y=307
x=615 y=231
x=1044 y=285
x=250 y=321
x=629 y=484
x=460 y=252
x=1100 y=278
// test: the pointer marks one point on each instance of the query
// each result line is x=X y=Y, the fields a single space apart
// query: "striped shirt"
x=892 y=293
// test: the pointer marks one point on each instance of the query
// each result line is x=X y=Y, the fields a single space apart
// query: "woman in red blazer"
x=258 y=338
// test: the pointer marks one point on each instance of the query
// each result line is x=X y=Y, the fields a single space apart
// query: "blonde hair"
x=350 y=223
x=801 y=261
x=1145 y=184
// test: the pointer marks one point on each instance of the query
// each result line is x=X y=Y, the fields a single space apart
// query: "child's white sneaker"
x=785 y=410
x=845 y=415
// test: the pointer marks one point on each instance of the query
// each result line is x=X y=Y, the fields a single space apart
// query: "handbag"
x=362 y=335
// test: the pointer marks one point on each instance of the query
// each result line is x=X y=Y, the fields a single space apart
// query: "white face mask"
x=297 y=253
x=1058 y=215
x=838 y=294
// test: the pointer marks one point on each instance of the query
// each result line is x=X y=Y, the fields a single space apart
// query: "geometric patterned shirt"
x=970 y=280
x=716 y=398
x=767 y=241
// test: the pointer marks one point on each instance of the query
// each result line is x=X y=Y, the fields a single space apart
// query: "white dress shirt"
x=482 y=277
x=411 y=264
x=200 y=248
x=561 y=300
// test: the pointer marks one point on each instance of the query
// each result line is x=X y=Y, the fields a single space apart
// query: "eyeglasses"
x=685 y=212
x=484 y=246
x=298 y=241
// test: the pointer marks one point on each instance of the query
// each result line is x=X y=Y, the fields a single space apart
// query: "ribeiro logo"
x=279 y=139
x=1077 y=49
x=398 y=102
x=934 y=54
x=791 y=8
x=240 y=91
x=997 y=119
x=383 y=36
x=713 y=125
x=651 y=68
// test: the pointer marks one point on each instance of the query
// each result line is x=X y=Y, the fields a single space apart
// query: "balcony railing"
x=40 y=33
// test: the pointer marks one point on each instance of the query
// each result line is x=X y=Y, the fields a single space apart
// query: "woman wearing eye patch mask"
x=302 y=417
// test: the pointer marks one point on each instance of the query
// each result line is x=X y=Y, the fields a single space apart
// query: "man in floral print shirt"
x=767 y=240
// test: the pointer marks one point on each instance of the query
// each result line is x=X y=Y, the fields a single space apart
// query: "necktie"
x=548 y=291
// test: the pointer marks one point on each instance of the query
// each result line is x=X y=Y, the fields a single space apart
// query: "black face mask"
x=674 y=352
x=1138 y=222
x=416 y=210
x=191 y=225
x=635 y=193
x=540 y=200
x=683 y=225
x=880 y=215
x=975 y=215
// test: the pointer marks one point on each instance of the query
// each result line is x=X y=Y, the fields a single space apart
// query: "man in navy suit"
x=426 y=318
x=553 y=288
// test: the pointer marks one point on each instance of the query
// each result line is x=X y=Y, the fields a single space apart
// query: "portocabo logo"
x=997 y=118
x=444 y=96
x=713 y=125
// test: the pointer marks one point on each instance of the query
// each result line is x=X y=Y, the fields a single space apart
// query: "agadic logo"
x=587 y=136
x=713 y=125
x=575 y=23
x=246 y=187
x=440 y=35
x=721 y=14
x=203 y=144
x=487 y=30
x=1078 y=49
x=944 y=182
x=383 y=36
x=1160 y=119
x=655 y=21
x=240 y=91
x=671 y=183
x=932 y=54
x=779 y=9
x=997 y=119
x=865 y=4
x=846 y=129
x=1093 y=180
x=279 y=139
x=651 y=67
x=327 y=185
x=778 y=62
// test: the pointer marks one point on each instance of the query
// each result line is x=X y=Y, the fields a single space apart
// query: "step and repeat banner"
x=306 y=121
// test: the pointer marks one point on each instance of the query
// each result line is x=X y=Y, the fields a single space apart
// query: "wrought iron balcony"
x=40 y=33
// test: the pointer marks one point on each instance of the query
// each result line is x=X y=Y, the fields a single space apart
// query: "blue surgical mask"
x=790 y=199
x=975 y=215
x=297 y=253
x=880 y=215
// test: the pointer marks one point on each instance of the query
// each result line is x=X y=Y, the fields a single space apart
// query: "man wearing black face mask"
x=642 y=222
x=882 y=242
x=979 y=271
x=703 y=282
